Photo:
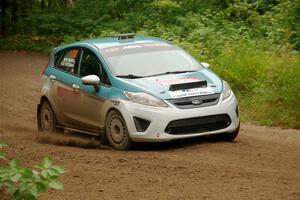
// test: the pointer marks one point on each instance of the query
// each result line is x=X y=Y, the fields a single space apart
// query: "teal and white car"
x=134 y=89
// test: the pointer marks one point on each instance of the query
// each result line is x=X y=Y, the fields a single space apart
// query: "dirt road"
x=263 y=163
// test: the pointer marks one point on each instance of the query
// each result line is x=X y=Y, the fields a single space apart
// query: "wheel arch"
x=111 y=109
x=44 y=98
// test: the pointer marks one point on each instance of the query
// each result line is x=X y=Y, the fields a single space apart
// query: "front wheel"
x=227 y=137
x=116 y=131
x=47 y=118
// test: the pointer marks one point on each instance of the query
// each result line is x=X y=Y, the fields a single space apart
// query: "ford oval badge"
x=197 y=102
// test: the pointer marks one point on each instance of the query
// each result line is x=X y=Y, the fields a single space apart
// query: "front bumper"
x=161 y=117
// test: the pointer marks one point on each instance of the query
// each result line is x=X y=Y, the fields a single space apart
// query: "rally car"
x=134 y=89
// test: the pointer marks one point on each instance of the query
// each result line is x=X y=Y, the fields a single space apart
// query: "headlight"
x=145 y=99
x=226 y=90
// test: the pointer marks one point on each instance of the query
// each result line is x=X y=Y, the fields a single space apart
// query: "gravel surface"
x=262 y=163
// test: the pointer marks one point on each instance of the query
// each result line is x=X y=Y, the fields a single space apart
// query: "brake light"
x=46 y=66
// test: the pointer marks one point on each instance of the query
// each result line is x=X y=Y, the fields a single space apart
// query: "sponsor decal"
x=65 y=93
x=135 y=46
x=131 y=47
x=178 y=81
x=191 y=92
x=157 y=44
x=68 y=62
x=110 y=50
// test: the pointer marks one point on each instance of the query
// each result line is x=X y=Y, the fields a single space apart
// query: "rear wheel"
x=116 y=131
x=47 y=118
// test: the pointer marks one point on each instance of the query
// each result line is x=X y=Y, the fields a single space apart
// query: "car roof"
x=102 y=43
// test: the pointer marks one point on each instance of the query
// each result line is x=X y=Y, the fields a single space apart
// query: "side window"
x=89 y=65
x=104 y=78
x=68 y=60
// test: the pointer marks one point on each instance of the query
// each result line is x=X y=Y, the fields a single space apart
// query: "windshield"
x=142 y=62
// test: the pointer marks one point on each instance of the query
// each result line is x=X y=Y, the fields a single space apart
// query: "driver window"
x=89 y=65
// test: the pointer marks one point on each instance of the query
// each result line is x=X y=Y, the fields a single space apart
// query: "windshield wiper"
x=172 y=72
x=130 y=76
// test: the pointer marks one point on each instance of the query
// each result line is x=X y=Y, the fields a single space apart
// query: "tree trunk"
x=70 y=2
x=3 y=17
x=43 y=4
x=14 y=17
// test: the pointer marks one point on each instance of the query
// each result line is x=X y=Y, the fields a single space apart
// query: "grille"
x=198 y=124
x=187 y=102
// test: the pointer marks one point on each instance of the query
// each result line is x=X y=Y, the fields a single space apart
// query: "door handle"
x=52 y=78
x=75 y=87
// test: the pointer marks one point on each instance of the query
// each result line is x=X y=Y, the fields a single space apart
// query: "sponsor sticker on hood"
x=191 y=92
x=160 y=86
x=185 y=92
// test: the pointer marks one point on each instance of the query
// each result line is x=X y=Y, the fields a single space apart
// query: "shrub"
x=26 y=184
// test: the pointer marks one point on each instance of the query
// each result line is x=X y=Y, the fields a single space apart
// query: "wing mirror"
x=91 y=80
x=205 y=65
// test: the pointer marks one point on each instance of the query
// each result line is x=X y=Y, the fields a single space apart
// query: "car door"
x=64 y=76
x=92 y=100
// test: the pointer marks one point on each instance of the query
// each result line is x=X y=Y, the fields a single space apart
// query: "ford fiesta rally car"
x=130 y=89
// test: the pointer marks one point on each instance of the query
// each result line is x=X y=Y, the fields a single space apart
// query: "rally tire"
x=103 y=138
x=47 y=118
x=227 y=137
x=116 y=131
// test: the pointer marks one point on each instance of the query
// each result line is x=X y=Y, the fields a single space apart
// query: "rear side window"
x=68 y=60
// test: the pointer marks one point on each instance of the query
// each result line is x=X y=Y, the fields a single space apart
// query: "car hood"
x=159 y=85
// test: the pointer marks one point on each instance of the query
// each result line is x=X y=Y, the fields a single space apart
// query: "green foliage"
x=2 y=154
x=26 y=184
x=29 y=43
x=266 y=83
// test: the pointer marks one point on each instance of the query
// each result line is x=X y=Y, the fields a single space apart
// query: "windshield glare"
x=152 y=62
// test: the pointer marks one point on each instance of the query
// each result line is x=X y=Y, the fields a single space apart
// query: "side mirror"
x=91 y=80
x=205 y=65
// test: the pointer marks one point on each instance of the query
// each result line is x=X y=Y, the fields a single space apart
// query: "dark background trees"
x=83 y=18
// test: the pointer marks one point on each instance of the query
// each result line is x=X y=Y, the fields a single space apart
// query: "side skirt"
x=81 y=131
